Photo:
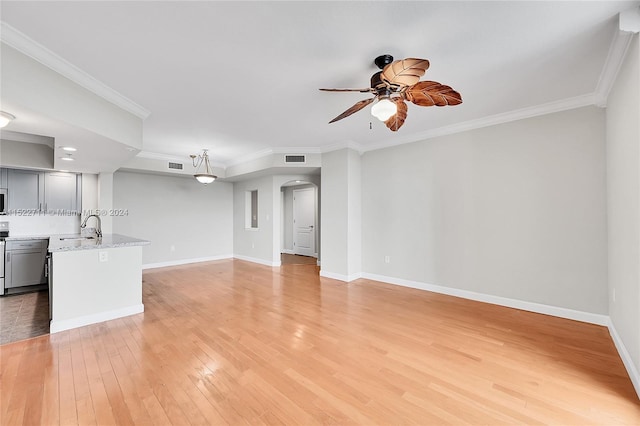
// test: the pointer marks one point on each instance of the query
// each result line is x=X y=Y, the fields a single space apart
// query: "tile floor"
x=23 y=316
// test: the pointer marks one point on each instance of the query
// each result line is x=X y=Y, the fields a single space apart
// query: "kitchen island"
x=94 y=279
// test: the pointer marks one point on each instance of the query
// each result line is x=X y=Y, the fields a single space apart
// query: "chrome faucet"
x=98 y=229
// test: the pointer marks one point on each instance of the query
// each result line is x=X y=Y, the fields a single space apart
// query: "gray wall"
x=515 y=210
x=256 y=244
x=263 y=244
x=623 y=190
x=182 y=218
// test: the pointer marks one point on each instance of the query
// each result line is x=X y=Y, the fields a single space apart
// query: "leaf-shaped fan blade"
x=397 y=120
x=430 y=93
x=405 y=72
x=357 y=107
x=348 y=90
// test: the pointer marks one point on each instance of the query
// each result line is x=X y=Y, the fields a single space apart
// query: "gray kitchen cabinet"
x=25 y=263
x=3 y=178
x=61 y=191
x=43 y=191
x=26 y=189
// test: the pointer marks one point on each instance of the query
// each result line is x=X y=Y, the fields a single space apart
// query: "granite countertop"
x=28 y=237
x=77 y=242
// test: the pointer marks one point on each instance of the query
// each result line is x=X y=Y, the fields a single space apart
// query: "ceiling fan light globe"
x=205 y=178
x=384 y=109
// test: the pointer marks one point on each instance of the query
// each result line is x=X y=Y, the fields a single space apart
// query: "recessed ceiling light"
x=69 y=148
x=66 y=158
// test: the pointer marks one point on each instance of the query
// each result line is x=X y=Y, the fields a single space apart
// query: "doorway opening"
x=299 y=241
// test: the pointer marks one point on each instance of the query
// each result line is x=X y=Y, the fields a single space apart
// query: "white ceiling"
x=242 y=77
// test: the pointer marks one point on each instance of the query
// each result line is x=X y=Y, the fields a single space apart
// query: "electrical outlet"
x=173 y=248
x=104 y=256
x=387 y=259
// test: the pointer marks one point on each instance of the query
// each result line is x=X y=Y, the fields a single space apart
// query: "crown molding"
x=615 y=58
x=348 y=144
x=520 y=114
x=492 y=120
x=19 y=41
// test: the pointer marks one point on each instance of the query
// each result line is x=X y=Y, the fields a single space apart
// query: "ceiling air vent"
x=177 y=166
x=294 y=159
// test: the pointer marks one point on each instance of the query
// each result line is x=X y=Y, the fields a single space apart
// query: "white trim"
x=349 y=144
x=58 y=326
x=540 y=308
x=615 y=58
x=256 y=260
x=19 y=41
x=626 y=358
x=185 y=261
x=340 y=277
x=492 y=120
x=287 y=251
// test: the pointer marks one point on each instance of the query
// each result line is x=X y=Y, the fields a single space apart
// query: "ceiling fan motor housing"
x=383 y=60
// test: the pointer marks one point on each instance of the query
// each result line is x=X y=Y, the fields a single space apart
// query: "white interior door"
x=304 y=220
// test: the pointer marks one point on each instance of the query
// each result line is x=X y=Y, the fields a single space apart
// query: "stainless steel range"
x=4 y=233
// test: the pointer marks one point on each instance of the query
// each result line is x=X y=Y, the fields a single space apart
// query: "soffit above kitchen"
x=238 y=78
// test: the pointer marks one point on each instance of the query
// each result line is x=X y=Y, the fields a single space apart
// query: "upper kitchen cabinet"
x=26 y=189
x=61 y=191
x=43 y=191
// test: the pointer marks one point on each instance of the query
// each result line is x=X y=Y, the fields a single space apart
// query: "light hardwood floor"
x=230 y=342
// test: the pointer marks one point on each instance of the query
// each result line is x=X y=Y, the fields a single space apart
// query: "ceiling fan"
x=399 y=81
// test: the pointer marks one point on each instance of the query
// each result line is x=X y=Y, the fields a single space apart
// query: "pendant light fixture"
x=206 y=176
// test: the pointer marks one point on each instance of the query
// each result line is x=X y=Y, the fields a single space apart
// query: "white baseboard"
x=496 y=300
x=626 y=358
x=340 y=277
x=256 y=260
x=185 y=261
x=68 y=324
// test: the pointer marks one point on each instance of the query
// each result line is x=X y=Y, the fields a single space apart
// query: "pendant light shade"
x=202 y=162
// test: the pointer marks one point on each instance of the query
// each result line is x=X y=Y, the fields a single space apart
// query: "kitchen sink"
x=76 y=238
